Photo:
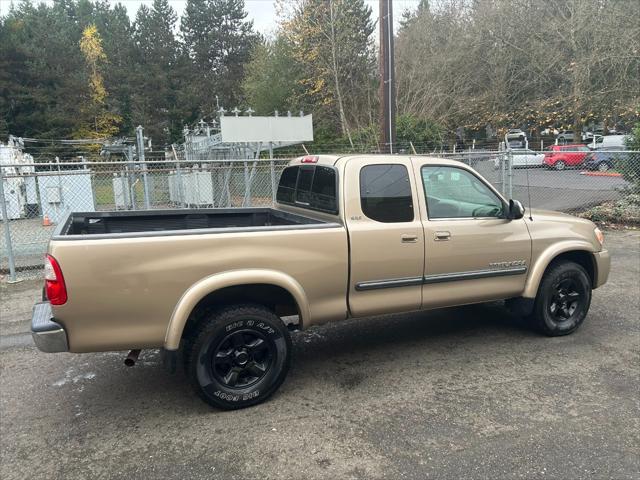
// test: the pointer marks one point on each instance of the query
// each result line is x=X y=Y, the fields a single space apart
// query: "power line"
x=79 y=141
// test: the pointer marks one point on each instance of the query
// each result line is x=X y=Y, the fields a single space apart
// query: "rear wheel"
x=603 y=167
x=563 y=299
x=560 y=165
x=238 y=356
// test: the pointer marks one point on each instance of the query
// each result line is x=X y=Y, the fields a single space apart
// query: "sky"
x=262 y=12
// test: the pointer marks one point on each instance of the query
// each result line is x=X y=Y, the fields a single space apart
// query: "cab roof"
x=336 y=159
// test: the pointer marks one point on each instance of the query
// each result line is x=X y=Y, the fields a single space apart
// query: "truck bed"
x=166 y=222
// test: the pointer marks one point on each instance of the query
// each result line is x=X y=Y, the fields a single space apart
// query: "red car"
x=563 y=156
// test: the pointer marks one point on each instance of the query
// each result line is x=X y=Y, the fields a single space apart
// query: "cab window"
x=385 y=193
x=309 y=186
x=456 y=193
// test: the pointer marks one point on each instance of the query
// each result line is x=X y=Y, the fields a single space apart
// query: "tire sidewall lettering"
x=212 y=388
x=254 y=324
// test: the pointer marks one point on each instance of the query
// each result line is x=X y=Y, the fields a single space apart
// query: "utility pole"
x=387 y=79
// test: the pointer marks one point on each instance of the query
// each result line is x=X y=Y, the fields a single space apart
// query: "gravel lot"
x=456 y=393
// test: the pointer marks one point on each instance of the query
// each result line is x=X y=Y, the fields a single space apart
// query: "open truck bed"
x=180 y=222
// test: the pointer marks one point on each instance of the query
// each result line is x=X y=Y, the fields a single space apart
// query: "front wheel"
x=239 y=356
x=560 y=165
x=603 y=166
x=563 y=299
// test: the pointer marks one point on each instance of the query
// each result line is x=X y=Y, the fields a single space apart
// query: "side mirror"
x=516 y=210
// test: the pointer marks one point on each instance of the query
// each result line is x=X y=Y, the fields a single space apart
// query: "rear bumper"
x=48 y=335
x=603 y=265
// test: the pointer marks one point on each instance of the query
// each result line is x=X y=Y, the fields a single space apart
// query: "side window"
x=456 y=193
x=385 y=193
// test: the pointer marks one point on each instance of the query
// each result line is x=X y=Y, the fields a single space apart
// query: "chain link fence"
x=38 y=196
x=35 y=197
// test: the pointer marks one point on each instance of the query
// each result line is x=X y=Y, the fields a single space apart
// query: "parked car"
x=516 y=134
x=565 y=136
x=588 y=137
x=563 y=156
x=474 y=157
x=522 y=157
x=613 y=141
x=605 y=158
x=349 y=236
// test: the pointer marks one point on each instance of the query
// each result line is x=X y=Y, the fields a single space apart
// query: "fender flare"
x=212 y=283
x=546 y=257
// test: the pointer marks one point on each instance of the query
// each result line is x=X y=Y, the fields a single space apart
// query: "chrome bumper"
x=603 y=265
x=48 y=335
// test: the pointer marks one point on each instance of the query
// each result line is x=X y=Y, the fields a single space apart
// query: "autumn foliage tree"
x=331 y=43
x=508 y=64
x=98 y=122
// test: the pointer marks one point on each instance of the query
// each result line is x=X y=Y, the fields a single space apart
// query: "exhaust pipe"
x=132 y=358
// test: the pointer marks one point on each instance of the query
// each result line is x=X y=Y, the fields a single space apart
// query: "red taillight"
x=309 y=159
x=54 y=285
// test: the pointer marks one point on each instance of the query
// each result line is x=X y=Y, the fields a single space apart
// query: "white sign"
x=266 y=129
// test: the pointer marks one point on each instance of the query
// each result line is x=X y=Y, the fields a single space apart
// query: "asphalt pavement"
x=456 y=393
x=566 y=191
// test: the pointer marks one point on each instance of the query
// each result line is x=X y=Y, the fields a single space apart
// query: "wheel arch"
x=266 y=287
x=580 y=253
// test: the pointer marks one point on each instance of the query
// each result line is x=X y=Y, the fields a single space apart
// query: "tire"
x=563 y=299
x=238 y=356
x=603 y=167
x=560 y=165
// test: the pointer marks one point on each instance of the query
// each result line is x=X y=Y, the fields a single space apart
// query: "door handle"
x=409 y=238
x=443 y=235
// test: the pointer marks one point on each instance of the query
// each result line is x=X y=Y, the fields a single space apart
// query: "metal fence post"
x=246 y=185
x=272 y=169
x=510 y=173
x=503 y=166
x=7 y=231
x=131 y=177
x=179 y=180
x=140 y=149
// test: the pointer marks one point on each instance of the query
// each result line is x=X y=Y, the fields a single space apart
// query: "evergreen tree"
x=156 y=77
x=44 y=70
x=117 y=35
x=218 y=41
x=271 y=77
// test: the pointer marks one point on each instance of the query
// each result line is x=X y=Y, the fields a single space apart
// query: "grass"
x=104 y=194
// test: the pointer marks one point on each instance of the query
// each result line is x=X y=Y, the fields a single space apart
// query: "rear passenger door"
x=385 y=236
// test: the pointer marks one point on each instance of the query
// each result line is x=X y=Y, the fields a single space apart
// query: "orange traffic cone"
x=46 y=221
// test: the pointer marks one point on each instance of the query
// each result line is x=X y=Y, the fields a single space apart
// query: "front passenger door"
x=473 y=253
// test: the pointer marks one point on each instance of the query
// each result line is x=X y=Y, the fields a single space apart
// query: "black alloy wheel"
x=566 y=300
x=242 y=358
x=238 y=356
x=563 y=299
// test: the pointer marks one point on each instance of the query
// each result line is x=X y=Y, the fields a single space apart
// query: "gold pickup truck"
x=349 y=236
